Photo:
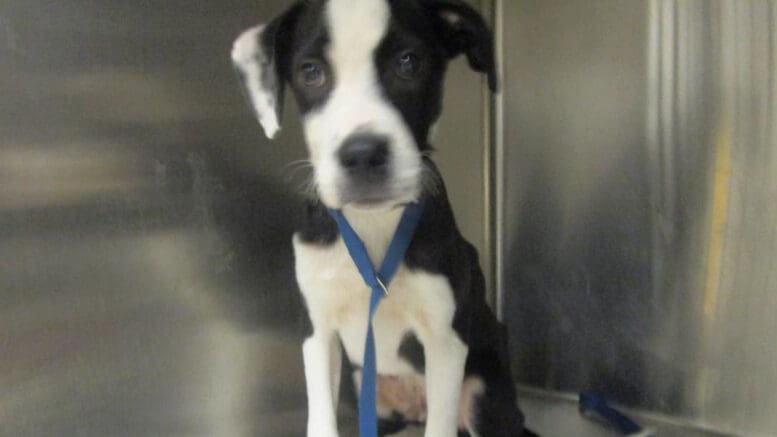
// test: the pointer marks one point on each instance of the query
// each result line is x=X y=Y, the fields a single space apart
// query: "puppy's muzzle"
x=365 y=162
x=365 y=159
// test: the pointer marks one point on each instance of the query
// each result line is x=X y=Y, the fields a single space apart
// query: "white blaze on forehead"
x=355 y=29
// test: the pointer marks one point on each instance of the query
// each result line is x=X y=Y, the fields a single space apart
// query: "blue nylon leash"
x=596 y=407
x=378 y=282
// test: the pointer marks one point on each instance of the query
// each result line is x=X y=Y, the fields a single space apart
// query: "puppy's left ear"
x=259 y=55
x=462 y=29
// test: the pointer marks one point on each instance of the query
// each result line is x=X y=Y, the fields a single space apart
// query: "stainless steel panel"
x=639 y=204
x=144 y=290
x=146 y=283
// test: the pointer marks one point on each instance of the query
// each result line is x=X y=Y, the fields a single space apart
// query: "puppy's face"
x=367 y=76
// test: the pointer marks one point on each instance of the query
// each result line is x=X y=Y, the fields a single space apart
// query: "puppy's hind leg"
x=493 y=409
x=497 y=415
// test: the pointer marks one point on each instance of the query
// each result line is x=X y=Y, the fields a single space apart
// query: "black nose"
x=364 y=154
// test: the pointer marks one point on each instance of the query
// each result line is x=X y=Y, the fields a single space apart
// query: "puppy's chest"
x=418 y=303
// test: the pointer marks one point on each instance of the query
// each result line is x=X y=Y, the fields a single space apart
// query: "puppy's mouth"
x=378 y=206
x=378 y=196
x=374 y=202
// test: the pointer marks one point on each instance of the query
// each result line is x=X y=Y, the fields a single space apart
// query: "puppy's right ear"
x=259 y=55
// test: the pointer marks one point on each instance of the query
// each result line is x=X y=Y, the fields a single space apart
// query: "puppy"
x=367 y=76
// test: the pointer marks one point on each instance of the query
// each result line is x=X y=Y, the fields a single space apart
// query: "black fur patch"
x=413 y=352
x=316 y=226
x=392 y=425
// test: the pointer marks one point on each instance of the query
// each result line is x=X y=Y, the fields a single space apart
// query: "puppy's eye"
x=407 y=65
x=312 y=74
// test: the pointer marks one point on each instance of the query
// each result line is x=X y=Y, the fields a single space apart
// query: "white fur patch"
x=250 y=59
x=337 y=298
x=356 y=104
x=321 y=371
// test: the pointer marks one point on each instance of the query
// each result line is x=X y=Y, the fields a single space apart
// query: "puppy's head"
x=367 y=76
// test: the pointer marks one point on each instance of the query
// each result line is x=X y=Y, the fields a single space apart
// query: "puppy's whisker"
x=430 y=181
x=298 y=164
x=291 y=169
x=308 y=188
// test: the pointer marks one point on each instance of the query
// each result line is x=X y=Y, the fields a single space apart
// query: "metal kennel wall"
x=637 y=206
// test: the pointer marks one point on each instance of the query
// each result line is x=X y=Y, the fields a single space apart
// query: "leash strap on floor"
x=596 y=407
x=378 y=282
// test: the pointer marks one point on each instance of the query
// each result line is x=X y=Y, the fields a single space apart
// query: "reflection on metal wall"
x=132 y=299
x=640 y=203
x=146 y=280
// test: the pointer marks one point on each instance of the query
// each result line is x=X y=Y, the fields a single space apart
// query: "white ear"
x=256 y=63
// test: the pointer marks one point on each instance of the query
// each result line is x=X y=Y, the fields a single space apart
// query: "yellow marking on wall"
x=720 y=200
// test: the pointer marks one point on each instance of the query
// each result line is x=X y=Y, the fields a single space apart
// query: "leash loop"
x=378 y=283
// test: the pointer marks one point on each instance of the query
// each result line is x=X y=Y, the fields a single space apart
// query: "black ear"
x=463 y=30
x=259 y=56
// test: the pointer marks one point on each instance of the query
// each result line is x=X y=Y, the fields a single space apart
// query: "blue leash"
x=594 y=406
x=377 y=281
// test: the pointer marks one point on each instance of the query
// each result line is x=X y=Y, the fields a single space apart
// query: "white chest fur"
x=337 y=298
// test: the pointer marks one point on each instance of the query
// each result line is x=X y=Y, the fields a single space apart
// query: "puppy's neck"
x=375 y=228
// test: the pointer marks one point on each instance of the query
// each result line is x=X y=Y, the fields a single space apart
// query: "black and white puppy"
x=368 y=76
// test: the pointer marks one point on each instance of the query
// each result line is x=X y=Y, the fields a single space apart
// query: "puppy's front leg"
x=445 y=356
x=322 y=369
